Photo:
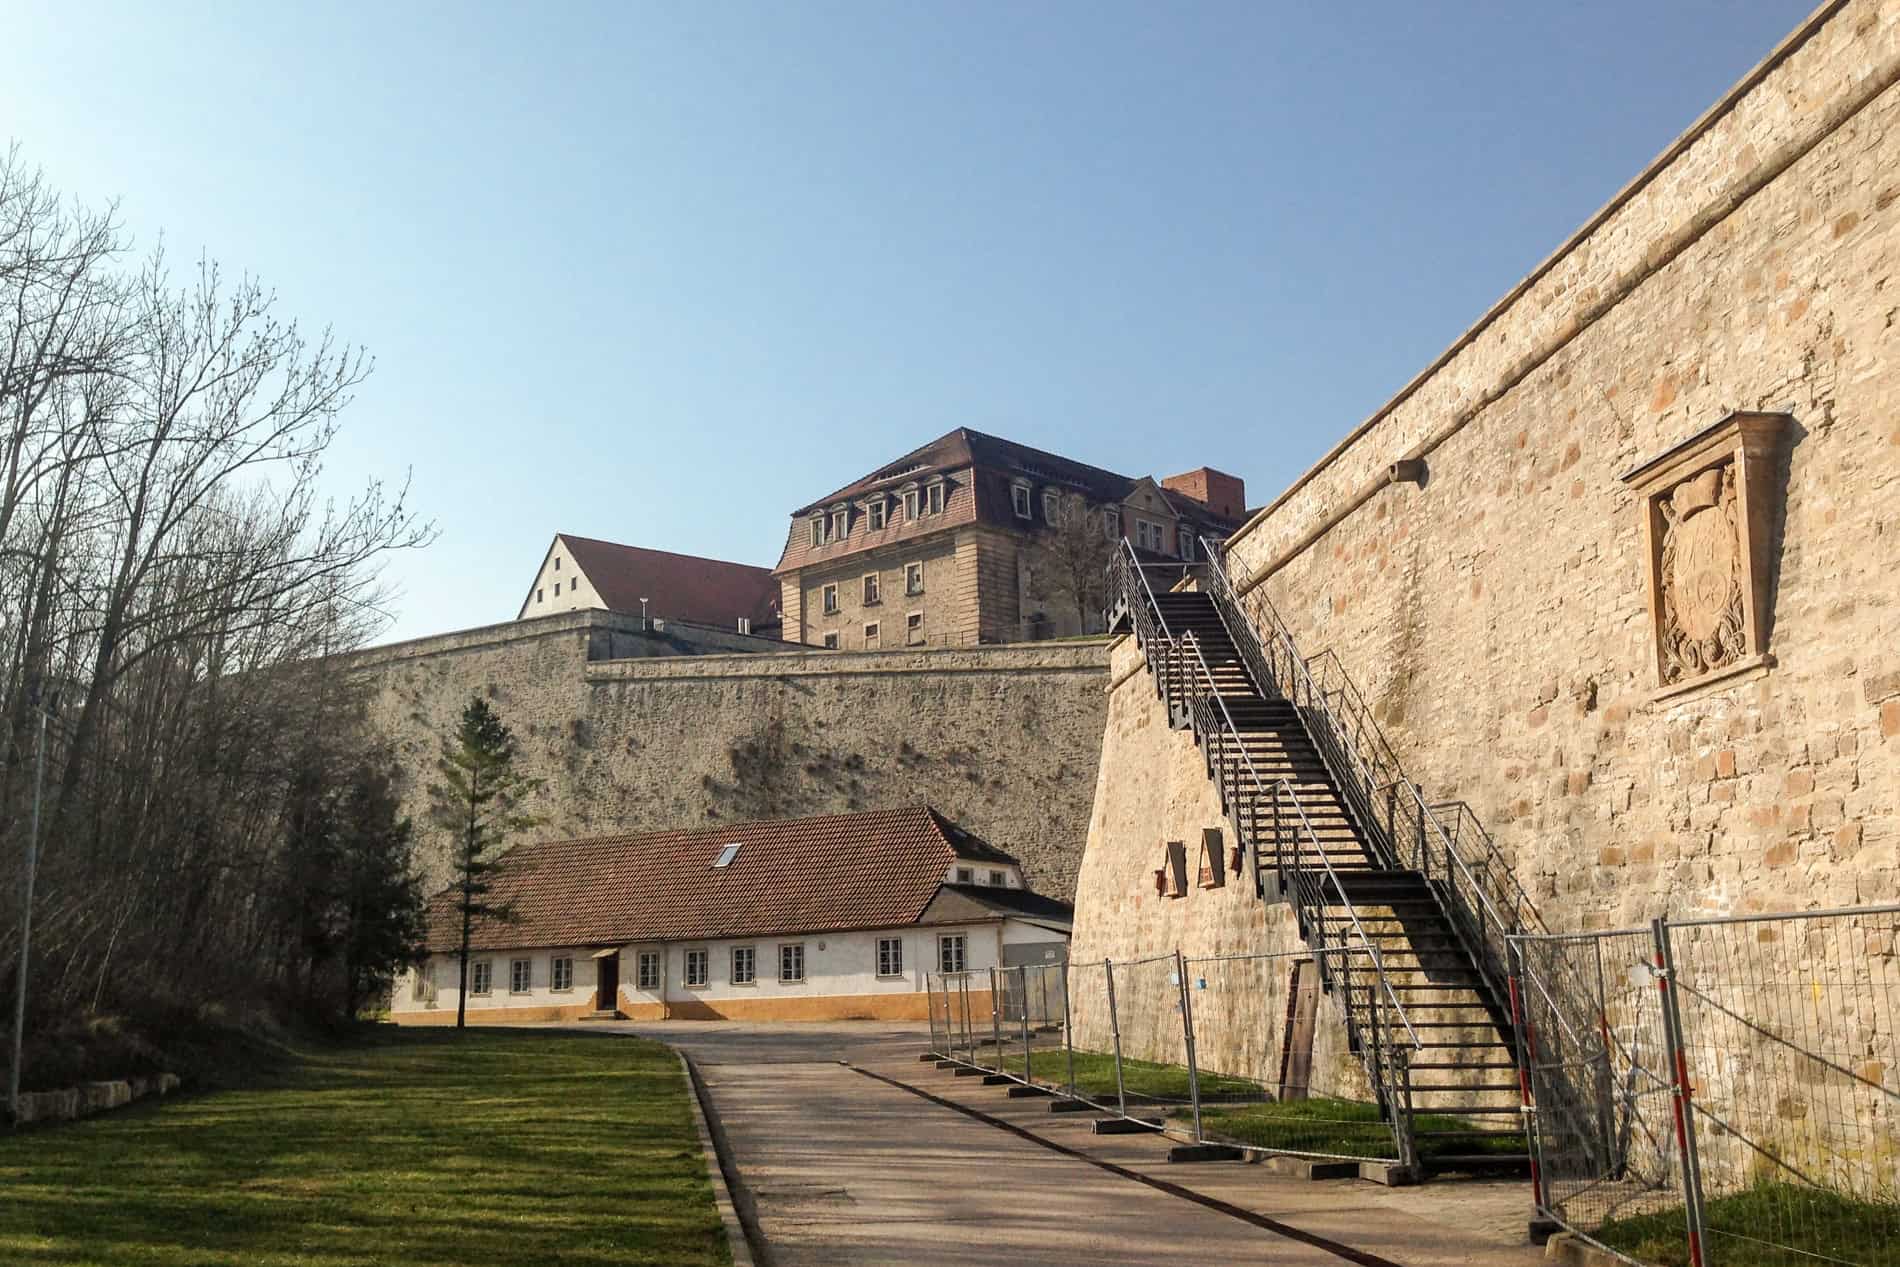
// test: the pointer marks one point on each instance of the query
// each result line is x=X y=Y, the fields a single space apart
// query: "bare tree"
x=1068 y=562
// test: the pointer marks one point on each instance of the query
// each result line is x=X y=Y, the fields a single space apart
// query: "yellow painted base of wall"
x=494 y=1015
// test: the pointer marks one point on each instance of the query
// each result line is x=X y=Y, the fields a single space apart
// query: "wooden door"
x=1296 y=1060
x=607 y=989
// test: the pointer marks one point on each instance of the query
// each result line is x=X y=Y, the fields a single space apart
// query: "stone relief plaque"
x=1708 y=507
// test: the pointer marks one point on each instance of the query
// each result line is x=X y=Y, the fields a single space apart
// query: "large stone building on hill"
x=972 y=538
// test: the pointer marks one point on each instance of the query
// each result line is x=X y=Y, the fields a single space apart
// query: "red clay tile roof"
x=677 y=586
x=877 y=869
x=978 y=470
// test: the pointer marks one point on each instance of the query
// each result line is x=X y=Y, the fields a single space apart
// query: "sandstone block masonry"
x=1005 y=740
x=1499 y=614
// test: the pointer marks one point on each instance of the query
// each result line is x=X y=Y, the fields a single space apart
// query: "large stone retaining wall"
x=1004 y=740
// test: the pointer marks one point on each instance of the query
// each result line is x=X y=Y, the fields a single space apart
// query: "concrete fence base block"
x=930 y=1056
x=946 y=1064
x=97 y=1097
x=1573 y=1251
x=1390 y=1173
x=1541 y=1230
x=1127 y=1125
x=965 y=1071
x=1071 y=1106
x=1024 y=1093
x=1305 y=1168
x=1205 y=1152
x=997 y=1079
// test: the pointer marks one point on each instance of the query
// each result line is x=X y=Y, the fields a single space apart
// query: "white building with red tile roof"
x=827 y=918
x=581 y=572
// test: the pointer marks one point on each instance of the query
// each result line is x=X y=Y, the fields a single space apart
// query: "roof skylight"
x=726 y=855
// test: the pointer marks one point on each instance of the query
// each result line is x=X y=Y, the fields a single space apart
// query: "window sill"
x=744 y=985
x=560 y=989
x=893 y=976
x=1744 y=670
x=798 y=981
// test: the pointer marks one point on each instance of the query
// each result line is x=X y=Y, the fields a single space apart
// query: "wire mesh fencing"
x=1719 y=1092
x=1221 y=1050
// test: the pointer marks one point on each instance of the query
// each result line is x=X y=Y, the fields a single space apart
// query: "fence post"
x=1187 y=1031
x=1115 y=1028
x=1068 y=1028
x=1526 y=1053
x=996 y=1024
x=963 y=991
x=1023 y=971
x=1679 y=1085
x=930 y=1002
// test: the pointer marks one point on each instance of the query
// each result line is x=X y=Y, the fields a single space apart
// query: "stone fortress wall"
x=685 y=726
x=1498 y=615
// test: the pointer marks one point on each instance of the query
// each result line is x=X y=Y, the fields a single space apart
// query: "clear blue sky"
x=660 y=273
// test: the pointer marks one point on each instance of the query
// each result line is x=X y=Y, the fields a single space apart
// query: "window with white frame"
x=874 y=514
x=999 y=878
x=520 y=976
x=950 y=956
x=1051 y=506
x=745 y=965
x=933 y=498
x=840 y=524
x=830 y=600
x=726 y=854
x=966 y=875
x=791 y=961
x=1112 y=523
x=1019 y=499
x=648 y=976
x=914 y=629
x=831 y=641
x=481 y=977
x=818 y=526
x=870 y=589
x=871 y=639
x=890 y=956
x=561 y=973
x=698 y=967
x=910 y=504
x=913 y=578
x=1149 y=536
x=423 y=988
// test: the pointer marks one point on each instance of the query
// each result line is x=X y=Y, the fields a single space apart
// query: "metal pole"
x=1679 y=1079
x=1068 y=1029
x=26 y=920
x=996 y=1025
x=1023 y=971
x=1187 y=1031
x=1115 y=1028
x=1526 y=1053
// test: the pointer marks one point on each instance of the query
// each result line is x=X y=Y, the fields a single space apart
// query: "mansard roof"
x=834 y=873
x=676 y=586
x=978 y=471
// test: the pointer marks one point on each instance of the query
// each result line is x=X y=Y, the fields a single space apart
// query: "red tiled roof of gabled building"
x=676 y=586
x=838 y=872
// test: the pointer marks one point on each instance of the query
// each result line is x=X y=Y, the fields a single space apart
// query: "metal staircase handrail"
x=1243 y=632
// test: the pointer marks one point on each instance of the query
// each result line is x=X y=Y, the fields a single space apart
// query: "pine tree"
x=478 y=800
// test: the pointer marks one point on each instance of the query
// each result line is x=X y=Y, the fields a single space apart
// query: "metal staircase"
x=1405 y=905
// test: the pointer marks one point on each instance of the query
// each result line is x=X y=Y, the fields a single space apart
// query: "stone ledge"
x=70 y=1103
x=1080 y=657
x=1745 y=670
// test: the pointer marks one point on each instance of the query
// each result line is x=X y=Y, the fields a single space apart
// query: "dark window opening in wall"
x=870 y=589
x=933 y=499
x=870 y=637
x=831 y=641
x=1112 y=524
x=557 y=589
x=1019 y=498
x=538 y=596
x=965 y=875
x=1213 y=873
x=831 y=600
x=913 y=578
x=1051 y=506
x=557 y=564
x=910 y=504
x=1177 y=869
x=1187 y=543
x=914 y=630
x=875 y=515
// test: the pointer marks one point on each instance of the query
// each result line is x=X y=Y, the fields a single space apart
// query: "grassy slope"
x=1745 y=1228
x=412 y=1147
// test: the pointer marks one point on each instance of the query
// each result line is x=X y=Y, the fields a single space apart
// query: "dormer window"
x=840 y=524
x=1051 y=506
x=820 y=530
x=726 y=855
x=933 y=498
x=1112 y=523
x=1187 y=543
x=1019 y=498
x=874 y=514
x=910 y=504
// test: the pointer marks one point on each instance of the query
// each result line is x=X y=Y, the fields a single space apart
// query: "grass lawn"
x=1343 y=1128
x=408 y=1147
x=1144 y=1079
x=1825 y=1224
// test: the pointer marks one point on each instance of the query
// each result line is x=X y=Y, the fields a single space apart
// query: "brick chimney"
x=1221 y=493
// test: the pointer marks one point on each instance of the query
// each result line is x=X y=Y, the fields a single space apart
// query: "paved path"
x=847 y=1169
